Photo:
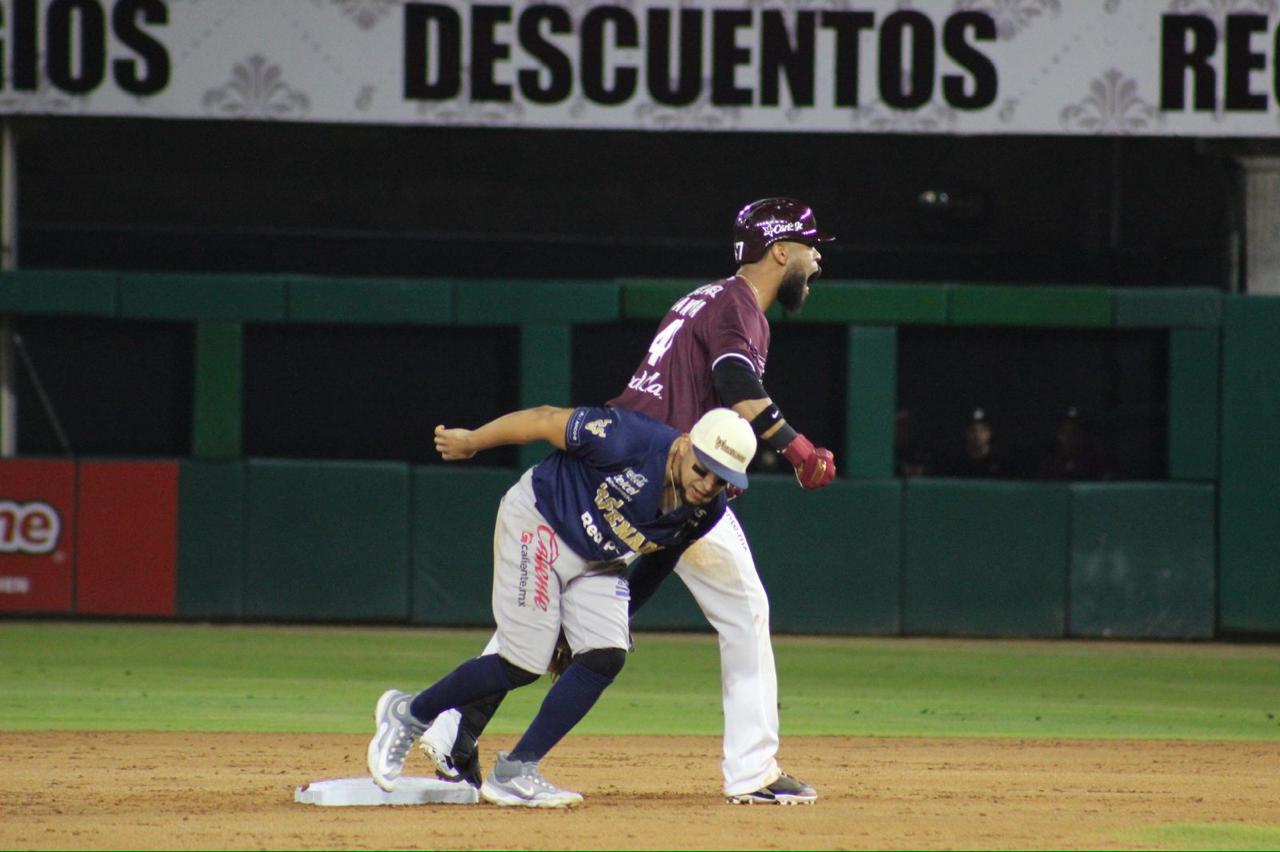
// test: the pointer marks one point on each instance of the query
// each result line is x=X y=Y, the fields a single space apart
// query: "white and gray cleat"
x=785 y=791
x=397 y=730
x=515 y=782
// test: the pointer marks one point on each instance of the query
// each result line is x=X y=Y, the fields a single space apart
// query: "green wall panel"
x=202 y=297
x=871 y=399
x=829 y=558
x=875 y=303
x=1142 y=561
x=219 y=390
x=1034 y=306
x=210 y=540
x=454 y=510
x=388 y=301
x=1194 y=371
x=1162 y=307
x=651 y=298
x=59 y=292
x=327 y=540
x=985 y=558
x=496 y=302
x=546 y=356
x=1249 y=511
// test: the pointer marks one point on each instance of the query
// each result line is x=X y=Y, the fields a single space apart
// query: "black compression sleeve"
x=736 y=381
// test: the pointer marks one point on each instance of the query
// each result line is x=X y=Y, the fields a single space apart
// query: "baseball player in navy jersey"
x=710 y=350
x=620 y=484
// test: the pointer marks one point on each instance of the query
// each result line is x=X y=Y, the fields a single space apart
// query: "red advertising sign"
x=37 y=535
x=127 y=538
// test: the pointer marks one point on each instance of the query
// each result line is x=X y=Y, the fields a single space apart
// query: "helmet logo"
x=774 y=227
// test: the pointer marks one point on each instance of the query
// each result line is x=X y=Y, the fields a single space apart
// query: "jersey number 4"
x=662 y=342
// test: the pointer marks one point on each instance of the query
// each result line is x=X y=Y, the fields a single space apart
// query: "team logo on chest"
x=621 y=527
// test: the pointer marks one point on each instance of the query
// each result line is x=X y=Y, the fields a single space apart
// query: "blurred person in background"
x=980 y=456
x=1074 y=456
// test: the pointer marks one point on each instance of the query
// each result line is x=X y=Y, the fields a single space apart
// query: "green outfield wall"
x=1194 y=556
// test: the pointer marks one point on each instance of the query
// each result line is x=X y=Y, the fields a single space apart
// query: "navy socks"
x=476 y=678
x=566 y=703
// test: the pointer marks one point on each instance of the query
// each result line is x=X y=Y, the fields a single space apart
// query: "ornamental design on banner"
x=256 y=90
x=1216 y=9
x=1011 y=16
x=699 y=115
x=47 y=98
x=366 y=13
x=1112 y=106
x=879 y=118
x=464 y=111
x=802 y=5
x=577 y=9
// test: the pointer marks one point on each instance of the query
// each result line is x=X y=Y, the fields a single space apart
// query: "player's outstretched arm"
x=544 y=423
x=741 y=389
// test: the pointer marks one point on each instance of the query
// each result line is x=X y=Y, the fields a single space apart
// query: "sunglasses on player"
x=702 y=472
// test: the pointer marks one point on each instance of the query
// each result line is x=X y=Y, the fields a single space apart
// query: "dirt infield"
x=234 y=791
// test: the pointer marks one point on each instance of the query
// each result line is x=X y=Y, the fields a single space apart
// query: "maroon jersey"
x=674 y=383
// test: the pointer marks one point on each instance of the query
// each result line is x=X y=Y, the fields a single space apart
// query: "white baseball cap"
x=725 y=444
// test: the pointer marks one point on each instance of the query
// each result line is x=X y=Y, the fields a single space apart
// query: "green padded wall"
x=454 y=509
x=985 y=558
x=1142 y=561
x=500 y=302
x=42 y=291
x=651 y=298
x=327 y=540
x=165 y=296
x=829 y=558
x=1194 y=372
x=875 y=303
x=546 y=368
x=1030 y=306
x=1249 y=510
x=216 y=417
x=1162 y=307
x=210 y=539
x=386 y=301
x=871 y=400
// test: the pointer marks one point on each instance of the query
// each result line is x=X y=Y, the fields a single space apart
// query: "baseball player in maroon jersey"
x=710 y=350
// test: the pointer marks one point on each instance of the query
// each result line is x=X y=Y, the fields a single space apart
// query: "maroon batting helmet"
x=762 y=223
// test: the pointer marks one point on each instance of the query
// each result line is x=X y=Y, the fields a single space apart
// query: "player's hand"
x=815 y=466
x=454 y=444
x=731 y=491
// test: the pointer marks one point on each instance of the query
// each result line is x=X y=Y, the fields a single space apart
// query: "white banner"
x=1110 y=67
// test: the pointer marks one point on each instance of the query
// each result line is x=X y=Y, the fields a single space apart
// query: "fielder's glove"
x=561 y=657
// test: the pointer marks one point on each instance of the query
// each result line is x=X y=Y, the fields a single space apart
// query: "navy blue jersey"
x=603 y=492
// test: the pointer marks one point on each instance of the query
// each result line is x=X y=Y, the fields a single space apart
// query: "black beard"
x=791 y=291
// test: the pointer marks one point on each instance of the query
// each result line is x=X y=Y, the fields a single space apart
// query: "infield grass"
x=1206 y=836
x=199 y=677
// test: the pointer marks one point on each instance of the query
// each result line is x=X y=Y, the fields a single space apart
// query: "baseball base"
x=344 y=792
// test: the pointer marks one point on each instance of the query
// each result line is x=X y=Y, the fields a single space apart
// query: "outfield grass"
x=191 y=677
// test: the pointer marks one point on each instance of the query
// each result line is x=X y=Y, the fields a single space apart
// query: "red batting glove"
x=815 y=466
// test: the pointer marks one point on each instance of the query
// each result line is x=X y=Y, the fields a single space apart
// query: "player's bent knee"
x=516 y=675
x=606 y=662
